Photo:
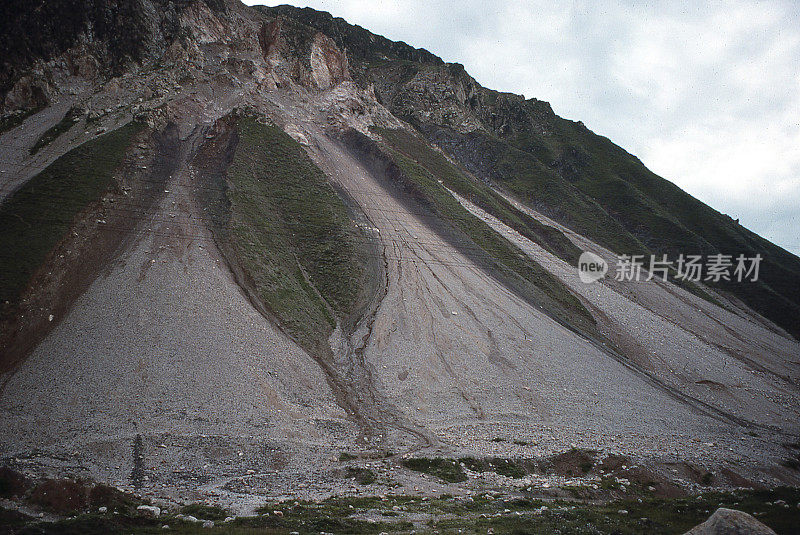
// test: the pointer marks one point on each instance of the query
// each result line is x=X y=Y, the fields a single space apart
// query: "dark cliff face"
x=115 y=32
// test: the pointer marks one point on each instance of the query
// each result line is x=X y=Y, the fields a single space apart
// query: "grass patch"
x=446 y=469
x=112 y=498
x=52 y=133
x=38 y=215
x=362 y=476
x=516 y=468
x=205 y=512
x=633 y=517
x=573 y=462
x=61 y=496
x=292 y=234
x=474 y=514
x=313 y=525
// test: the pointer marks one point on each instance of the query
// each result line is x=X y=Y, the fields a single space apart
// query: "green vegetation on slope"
x=206 y=512
x=540 y=186
x=553 y=294
x=599 y=190
x=446 y=469
x=292 y=234
x=670 y=221
x=483 y=196
x=38 y=215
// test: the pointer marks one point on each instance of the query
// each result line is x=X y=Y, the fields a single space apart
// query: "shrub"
x=206 y=512
x=446 y=469
x=363 y=476
x=113 y=498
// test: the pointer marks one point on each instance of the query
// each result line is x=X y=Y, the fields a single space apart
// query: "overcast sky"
x=706 y=94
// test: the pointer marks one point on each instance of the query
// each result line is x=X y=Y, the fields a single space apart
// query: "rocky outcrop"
x=730 y=522
x=328 y=63
x=204 y=24
x=27 y=93
x=91 y=38
x=361 y=45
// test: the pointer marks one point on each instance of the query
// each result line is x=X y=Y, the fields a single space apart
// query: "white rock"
x=725 y=521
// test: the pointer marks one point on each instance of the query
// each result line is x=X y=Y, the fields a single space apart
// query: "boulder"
x=730 y=522
x=149 y=510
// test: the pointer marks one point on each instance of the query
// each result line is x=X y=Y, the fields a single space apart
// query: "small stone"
x=103 y=509
x=208 y=524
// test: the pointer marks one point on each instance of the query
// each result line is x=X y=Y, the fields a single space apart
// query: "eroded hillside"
x=250 y=240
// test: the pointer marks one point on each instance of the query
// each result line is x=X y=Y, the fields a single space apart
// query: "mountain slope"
x=310 y=244
x=562 y=168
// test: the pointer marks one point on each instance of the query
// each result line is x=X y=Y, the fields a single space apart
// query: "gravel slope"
x=167 y=347
x=460 y=354
x=676 y=336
